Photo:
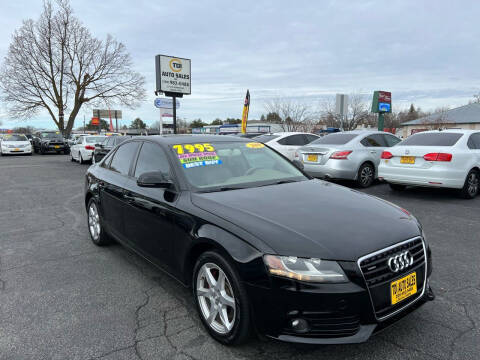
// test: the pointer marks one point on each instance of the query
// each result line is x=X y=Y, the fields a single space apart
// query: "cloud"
x=424 y=53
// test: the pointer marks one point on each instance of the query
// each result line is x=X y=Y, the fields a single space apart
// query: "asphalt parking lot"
x=61 y=297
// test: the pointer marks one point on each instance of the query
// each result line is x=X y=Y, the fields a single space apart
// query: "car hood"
x=15 y=143
x=313 y=218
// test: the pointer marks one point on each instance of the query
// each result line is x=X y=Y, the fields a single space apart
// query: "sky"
x=424 y=52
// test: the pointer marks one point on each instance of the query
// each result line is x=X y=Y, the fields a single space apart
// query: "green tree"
x=197 y=123
x=217 y=122
x=233 y=121
x=103 y=124
x=262 y=118
x=138 y=124
x=273 y=117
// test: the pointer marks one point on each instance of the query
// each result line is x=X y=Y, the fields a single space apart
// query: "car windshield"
x=15 y=138
x=432 y=139
x=334 y=139
x=265 y=138
x=220 y=166
x=95 y=139
x=51 y=135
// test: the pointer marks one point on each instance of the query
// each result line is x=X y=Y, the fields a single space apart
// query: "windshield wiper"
x=280 y=182
x=223 y=188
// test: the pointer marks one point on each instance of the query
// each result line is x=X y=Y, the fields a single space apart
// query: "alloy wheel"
x=94 y=221
x=473 y=183
x=216 y=298
x=366 y=175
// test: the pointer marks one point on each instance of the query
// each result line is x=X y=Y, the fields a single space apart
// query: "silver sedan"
x=352 y=155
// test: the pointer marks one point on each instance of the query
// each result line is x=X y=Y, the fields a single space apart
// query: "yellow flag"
x=246 y=106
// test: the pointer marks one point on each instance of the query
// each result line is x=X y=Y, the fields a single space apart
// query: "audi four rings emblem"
x=400 y=261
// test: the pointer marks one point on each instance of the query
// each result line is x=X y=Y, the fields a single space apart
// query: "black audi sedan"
x=265 y=248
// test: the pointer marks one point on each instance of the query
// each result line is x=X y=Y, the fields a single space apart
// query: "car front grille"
x=378 y=275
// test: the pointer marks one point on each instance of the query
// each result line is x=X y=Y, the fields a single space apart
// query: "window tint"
x=295 y=140
x=151 y=158
x=375 y=140
x=109 y=142
x=335 y=139
x=474 y=141
x=311 y=137
x=265 y=138
x=123 y=157
x=119 y=139
x=391 y=140
x=432 y=139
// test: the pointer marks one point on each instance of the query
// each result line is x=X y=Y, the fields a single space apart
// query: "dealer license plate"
x=403 y=288
x=57 y=146
x=312 y=157
x=16 y=149
x=407 y=160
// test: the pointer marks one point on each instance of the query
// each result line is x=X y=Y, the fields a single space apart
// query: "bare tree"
x=358 y=113
x=476 y=98
x=55 y=64
x=292 y=115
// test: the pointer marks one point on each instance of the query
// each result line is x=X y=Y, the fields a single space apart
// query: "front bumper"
x=12 y=151
x=335 y=313
x=332 y=169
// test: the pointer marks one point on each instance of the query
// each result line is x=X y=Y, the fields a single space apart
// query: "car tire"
x=233 y=327
x=42 y=150
x=95 y=225
x=71 y=157
x=80 y=160
x=366 y=175
x=472 y=185
x=397 y=187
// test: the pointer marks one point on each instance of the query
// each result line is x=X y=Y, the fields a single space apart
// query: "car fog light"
x=300 y=325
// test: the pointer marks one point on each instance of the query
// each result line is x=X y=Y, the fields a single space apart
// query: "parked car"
x=49 y=141
x=245 y=228
x=286 y=143
x=104 y=148
x=82 y=150
x=449 y=159
x=30 y=138
x=350 y=155
x=74 y=138
x=15 y=144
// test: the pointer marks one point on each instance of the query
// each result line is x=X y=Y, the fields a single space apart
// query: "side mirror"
x=298 y=164
x=154 y=179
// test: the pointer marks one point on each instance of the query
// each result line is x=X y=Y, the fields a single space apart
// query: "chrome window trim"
x=386 y=249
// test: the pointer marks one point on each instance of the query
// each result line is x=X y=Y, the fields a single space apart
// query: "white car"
x=82 y=149
x=286 y=143
x=15 y=144
x=449 y=159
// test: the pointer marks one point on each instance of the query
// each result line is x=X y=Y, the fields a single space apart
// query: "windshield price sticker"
x=199 y=159
x=192 y=148
x=254 y=145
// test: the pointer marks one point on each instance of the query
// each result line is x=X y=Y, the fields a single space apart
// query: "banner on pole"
x=246 y=106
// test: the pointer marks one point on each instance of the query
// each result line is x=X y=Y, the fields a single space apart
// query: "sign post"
x=341 y=107
x=98 y=113
x=162 y=104
x=381 y=104
x=173 y=75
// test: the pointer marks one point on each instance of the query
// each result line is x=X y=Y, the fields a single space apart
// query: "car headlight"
x=313 y=270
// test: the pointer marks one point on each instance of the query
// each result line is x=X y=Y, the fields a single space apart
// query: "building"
x=463 y=117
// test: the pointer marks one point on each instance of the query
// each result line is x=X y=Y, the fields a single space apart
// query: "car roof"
x=454 y=131
x=188 y=139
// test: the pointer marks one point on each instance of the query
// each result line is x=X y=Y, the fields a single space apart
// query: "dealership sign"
x=164 y=103
x=382 y=102
x=173 y=75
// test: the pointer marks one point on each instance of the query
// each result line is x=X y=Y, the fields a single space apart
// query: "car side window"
x=391 y=140
x=375 y=140
x=310 y=138
x=295 y=140
x=123 y=157
x=109 y=142
x=474 y=141
x=152 y=158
